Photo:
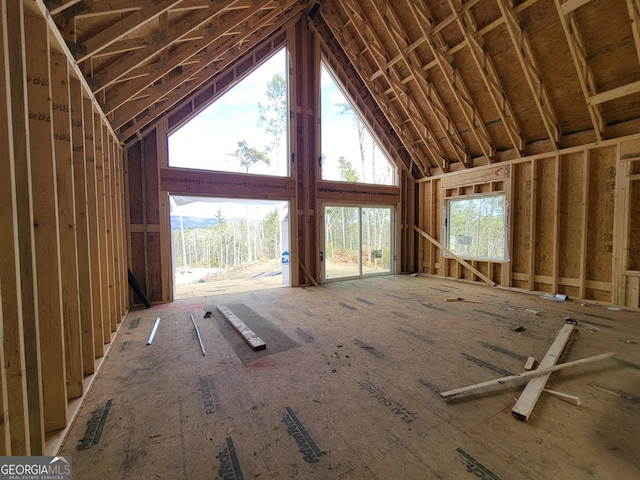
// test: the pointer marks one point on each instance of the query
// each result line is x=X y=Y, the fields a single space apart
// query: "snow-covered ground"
x=194 y=275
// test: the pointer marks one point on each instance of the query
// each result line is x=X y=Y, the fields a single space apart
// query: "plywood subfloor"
x=348 y=388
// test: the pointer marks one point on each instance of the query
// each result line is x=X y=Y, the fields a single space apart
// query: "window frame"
x=446 y=226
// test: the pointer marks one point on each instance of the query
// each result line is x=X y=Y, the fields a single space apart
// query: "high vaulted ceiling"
x=460 y=82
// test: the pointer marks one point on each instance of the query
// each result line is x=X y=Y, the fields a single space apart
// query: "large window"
x=475 y=227
x=243 y=131
x=349 y=152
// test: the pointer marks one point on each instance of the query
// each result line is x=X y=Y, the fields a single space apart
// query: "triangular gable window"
x=243 y=131
x=349 y=152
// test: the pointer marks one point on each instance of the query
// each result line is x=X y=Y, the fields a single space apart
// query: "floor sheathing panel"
x=350 y=388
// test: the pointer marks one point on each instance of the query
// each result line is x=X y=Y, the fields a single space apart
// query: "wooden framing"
x=92 y=217
x=49 y=275
x=13 y=388
x=85 y=265
x=60 y=90
x=45 y=217
x=582 y=230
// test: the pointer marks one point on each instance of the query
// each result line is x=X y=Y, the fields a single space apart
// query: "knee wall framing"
x=62 y=271
x=573 y=222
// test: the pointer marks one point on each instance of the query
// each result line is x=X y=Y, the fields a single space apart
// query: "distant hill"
x=192 y=222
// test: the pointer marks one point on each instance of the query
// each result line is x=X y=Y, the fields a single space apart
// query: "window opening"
x=224 y=245
x=476 y=227
x=349 y=152
x=243 y=131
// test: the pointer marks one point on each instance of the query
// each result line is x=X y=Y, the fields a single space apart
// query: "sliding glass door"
x=358 y=241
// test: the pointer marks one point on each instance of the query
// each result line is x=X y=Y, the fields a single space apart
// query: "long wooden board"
x=532 y=373
x=527 y=400
x=253 y=340
x=457 y=258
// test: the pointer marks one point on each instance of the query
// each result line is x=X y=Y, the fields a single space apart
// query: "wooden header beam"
x=184 y=181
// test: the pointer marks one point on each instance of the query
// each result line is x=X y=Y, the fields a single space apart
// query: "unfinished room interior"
x=473 y=314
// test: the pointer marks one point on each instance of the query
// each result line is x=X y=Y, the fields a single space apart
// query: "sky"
x=209 y=139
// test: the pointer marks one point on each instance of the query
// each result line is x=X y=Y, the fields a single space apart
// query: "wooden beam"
x=439 y=49
x=222 y=27
x=532 y=373
x=396 y=32
x=633 y=7
x=572 y=5
x=456 y=257
x=102 y=228
x=13 y=387
x=123 y=27
x=572 y=399
x=184 y=181
x=45 y=224
x=94 y=231
x=555 y=255
x=583 y=69
x=156 y=44
x=530 y=69
x=527 y=400
x=21 y=336
x=82 y=227
x=584 y=223
x=615 y=93
x=358 y=192
x=108 y=217
x=58 y=6
x=65 y=188
x=212 y=63
x=533 y=218
x=248 y=335
x=484 y=63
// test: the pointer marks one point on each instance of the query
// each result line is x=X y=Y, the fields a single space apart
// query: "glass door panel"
x=376 y=240
x=342 y=242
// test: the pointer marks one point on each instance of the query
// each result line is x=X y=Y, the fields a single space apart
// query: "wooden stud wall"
x=573 y=222
x=62 y=285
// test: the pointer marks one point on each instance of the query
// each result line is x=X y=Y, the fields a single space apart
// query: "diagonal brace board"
x=527 y=400
x=253 y=340
x=531 y=373
x=457 y=258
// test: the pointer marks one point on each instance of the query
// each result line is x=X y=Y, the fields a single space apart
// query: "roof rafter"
x=121 y=94
x=113 y=33
x=489 y=75
x=439 y=47
x=530 y=69
x=396 y=32
x=581 y=62
x=158 y=43
x=349 y=46
x=634 y=14
x=217 y=57
x=400 y=91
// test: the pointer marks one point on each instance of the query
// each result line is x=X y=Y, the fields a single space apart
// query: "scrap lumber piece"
x=529 y=365
x=532 y=373
x=527 y=400
x=459 y=299
x=572 y=399
x=253 y=340
x=153 y=331
x=198 y=333
x=467 y=265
